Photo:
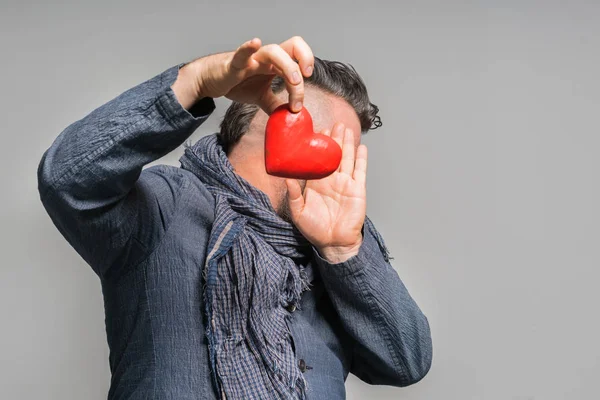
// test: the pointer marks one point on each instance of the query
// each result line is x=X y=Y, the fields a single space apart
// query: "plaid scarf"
x=251 y=273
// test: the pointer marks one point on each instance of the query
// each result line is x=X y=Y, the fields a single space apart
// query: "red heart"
x=294 y=150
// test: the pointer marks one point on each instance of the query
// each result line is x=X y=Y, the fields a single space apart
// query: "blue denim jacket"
x=144 y=232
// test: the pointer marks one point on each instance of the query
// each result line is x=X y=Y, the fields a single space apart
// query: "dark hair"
x=333 y=77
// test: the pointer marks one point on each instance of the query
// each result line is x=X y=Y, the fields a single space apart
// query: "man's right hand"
x=245 y=75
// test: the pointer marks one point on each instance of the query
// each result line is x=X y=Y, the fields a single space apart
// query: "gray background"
x=483 y=180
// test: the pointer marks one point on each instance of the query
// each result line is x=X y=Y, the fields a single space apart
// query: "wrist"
x=187 y=86
x=339 y=254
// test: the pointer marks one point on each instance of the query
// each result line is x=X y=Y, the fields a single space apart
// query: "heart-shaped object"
x=294 y=150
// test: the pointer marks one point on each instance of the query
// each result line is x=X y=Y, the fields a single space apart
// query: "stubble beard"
x=283 y=210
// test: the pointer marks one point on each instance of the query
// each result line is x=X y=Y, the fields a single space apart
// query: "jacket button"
x=302 y=365
x=291 y=307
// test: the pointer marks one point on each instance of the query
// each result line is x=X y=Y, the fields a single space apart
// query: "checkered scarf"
x=252 y=273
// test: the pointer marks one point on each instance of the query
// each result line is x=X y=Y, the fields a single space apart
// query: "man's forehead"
x=321 y=107
x=327 y=109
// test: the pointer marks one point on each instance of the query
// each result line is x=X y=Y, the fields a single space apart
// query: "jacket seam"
x=152 y=335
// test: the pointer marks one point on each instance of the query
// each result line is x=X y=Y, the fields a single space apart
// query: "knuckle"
x=271 y=47
x=290 y=68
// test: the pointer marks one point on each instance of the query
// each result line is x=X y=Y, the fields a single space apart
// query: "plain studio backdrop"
x=484 y=178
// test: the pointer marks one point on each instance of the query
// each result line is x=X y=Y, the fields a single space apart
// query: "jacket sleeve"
x=90 y=179
x=392 y=339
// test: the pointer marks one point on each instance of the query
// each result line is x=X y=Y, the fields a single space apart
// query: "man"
x=219 y=280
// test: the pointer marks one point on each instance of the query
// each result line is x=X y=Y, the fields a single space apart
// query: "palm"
x=238 y=77
x=251 y=90
x=334 y=210
x=331 y=211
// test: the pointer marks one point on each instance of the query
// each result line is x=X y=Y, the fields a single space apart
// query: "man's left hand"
x=331 y=211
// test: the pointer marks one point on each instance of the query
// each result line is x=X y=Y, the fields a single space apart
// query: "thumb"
x=295 y=198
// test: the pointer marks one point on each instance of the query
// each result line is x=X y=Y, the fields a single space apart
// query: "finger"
x=271 y=69
x=326 y=132
x=347 y=163
x=265 y=69
x=338 y=133
x=301 y=51
x=268 y=102
x=295 y=198
x=360 y=166
x=242 y=55
x=273 y=54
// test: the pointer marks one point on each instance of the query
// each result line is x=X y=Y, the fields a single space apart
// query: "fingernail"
x=309 y=70
x=298 y=106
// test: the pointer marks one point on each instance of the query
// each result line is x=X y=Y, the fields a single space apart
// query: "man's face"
x=247 y=156
x=325 y=110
